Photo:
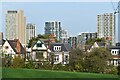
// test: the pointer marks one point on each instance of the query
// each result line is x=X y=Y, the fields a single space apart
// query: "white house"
x=115 y=51
x=13 y=48
x=38 y=51
x=95 y=45
x=61 y=52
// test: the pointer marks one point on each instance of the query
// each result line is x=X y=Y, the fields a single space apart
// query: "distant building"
x=1 y=35
x=53 y=27
x=106 y=27
x=83 y=37
x=73 y=42
x=64 y=36
x=15 y=23
x=119 y=22
x=30 y=31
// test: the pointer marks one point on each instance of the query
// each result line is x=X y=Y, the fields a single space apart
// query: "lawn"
x=36 y=73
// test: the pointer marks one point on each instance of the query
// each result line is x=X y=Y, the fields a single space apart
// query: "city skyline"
x=74 y=17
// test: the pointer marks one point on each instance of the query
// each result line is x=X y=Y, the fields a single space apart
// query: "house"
x=38 y=51
x=61 y=52
x=115 y=51
x=89 y=48
x=13 y=48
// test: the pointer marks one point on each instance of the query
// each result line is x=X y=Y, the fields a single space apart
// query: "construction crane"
x=115 y=12
x=115 y=9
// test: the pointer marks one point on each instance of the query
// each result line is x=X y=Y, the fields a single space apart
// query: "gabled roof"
x=13 y=44
x=64 y=46
x=88 y=47
x=100 y=44
x=34 y=42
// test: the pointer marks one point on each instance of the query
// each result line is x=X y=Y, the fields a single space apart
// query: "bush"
x=29 y=65
x=118 y=68
x=18 y=62
x=111 y=70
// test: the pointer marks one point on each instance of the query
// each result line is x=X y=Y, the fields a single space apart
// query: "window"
x=39 y=45
x=6 y=47
x=57 y=48
x=113 y=52
x=56 y=58
x=39 y=55
x=116 y=62
x=66 y=58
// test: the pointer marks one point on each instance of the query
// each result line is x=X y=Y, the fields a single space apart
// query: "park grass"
x=36 y=73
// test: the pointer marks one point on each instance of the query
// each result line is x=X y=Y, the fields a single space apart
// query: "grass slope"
x=36 y=73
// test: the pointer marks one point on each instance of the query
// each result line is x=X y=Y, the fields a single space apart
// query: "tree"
x=44 y=36
x=76 y=59
x=31 y=41
x=92 y=40
x=97 y=60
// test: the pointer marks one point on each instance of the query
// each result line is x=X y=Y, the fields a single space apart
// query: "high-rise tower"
x=15 y=23
x=30 y=31
x=106 y=27
x=53 y=27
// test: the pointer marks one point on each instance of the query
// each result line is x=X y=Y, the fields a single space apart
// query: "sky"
x=75 y=17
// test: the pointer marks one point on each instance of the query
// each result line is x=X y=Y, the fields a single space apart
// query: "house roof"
x=113 y=47
x=34 y=42
x=100 y=44
x=13 y=44
x=65 y=46
x=88 y=47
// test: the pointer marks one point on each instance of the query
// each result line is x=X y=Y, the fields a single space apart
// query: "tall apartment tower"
x=64 y=36
x=83 y=37
x=30 y=31
x=53 y=27
x=119 y=22
x=15 y=23
x=106 y=27
x=72 y=40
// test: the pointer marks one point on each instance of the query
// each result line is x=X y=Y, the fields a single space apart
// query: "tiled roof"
x=100 y=44
x=65 y=46
x=113 y=47
x=13 y=44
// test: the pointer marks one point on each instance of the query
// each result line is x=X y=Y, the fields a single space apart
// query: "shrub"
x=29 y=65
x=18 y=62
x=118 y=68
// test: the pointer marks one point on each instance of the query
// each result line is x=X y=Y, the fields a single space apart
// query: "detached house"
x=115 y=51
x=13 y=48
x=61 y=52
x=89 y=48
x=38 y=51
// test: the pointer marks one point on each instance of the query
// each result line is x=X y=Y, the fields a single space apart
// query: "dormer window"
x=57 y=48
x=39 y=44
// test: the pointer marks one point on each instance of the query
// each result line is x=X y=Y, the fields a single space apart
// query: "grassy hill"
x=36 y=73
